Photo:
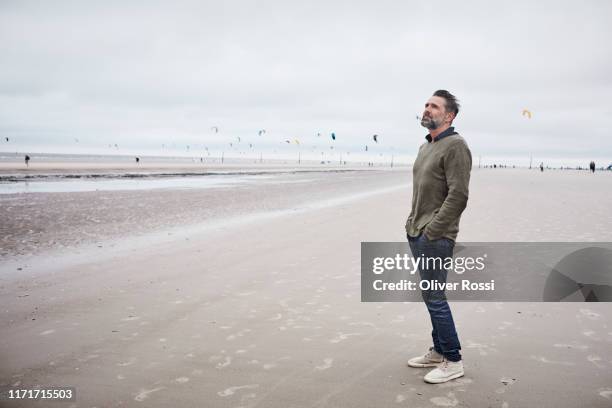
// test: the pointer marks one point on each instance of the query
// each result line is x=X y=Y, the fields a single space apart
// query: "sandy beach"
x=246 y=293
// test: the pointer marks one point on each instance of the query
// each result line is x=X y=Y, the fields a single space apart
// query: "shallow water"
x=110 y=184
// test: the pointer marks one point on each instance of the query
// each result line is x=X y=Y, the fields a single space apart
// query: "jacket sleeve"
x=457 y=167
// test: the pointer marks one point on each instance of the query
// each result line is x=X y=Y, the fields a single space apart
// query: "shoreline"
x=54 y=173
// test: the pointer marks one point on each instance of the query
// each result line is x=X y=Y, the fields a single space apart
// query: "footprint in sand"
x=368 y=324
x=605 y=392
x=596 y=360
x=144 y=394
x=590 y=334
x=507 y=381
x=590 y=314
x=573 y=345
x=451 y=401
x=238 y=334
x=543 y=359
x=225 y=363
x=399 y=319
x=232 y=390
x=343 y=336
x=327 y=363
x=88 y=357
x=127 y=363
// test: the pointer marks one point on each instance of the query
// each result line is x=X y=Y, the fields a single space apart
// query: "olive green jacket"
x=440 y=186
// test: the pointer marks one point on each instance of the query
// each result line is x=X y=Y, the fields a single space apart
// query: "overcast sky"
x=143 y=74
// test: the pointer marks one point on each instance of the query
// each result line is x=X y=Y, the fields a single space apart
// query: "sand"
x=169 y=166
x=259 y=305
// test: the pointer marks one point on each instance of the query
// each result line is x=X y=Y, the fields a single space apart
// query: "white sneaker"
x=431 y=359
x=446 y=371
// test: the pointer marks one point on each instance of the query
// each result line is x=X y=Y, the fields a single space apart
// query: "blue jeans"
x=444 y=334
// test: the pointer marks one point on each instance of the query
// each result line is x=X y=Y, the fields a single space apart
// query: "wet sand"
x=169 y=166
x=257 y=302
x=37 y=222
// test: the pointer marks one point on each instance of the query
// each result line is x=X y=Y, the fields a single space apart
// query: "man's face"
x=435 y=114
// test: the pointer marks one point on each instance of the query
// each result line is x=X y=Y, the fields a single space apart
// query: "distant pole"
x=260 y=157
x=530 y=160
x=340 y=158
x=391 y=161
x=479 y=161
x=222 y=157
x=299 y=157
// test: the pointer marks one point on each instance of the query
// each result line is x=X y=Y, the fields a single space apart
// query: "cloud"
x=148 y=72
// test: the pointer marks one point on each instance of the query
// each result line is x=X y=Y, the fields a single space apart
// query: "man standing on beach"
x=441 y=176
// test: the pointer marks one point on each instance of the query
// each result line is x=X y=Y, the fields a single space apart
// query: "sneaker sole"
x=443 y=380
x=423 y=365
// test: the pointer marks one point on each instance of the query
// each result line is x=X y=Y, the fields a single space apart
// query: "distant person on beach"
x=592 y=166
x=138 y=160
x=542 y=167
x=441 y=176
x=27 y=160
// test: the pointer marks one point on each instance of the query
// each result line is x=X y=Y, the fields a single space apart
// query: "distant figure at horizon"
x=27 y=160
x=137 y=159
x=542 y=167
x=592 y=166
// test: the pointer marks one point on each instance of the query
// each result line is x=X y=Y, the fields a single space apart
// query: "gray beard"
x=428 y=123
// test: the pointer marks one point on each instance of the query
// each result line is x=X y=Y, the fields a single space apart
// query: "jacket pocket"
x=429 y=219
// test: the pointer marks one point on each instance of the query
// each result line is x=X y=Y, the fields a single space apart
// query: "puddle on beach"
x=110 y=184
